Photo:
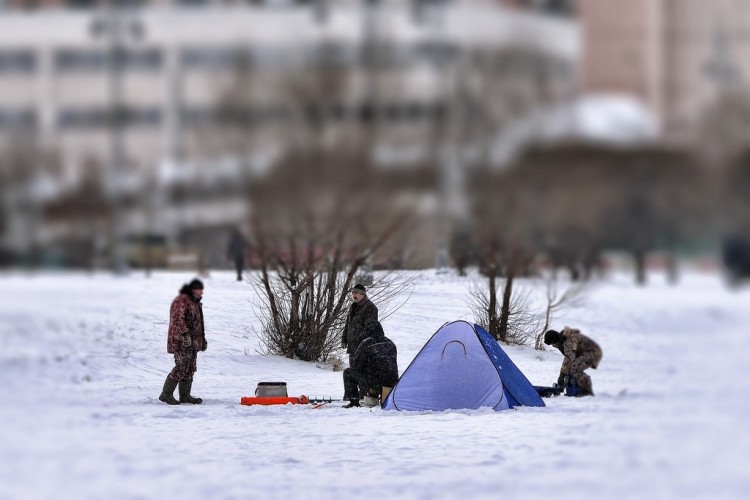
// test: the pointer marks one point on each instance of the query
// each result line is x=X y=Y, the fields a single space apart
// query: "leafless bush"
x=305 y=327
x=521 y=322
x=318 y=218
x=557 y=298
x=296 y=321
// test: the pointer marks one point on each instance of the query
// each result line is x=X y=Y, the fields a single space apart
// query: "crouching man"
x=580 y=353
x=374 y=366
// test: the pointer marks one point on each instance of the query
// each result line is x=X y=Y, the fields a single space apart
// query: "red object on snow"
x=249 y=401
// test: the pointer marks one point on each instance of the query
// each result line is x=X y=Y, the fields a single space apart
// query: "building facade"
x=164 y=94
x=677 y=56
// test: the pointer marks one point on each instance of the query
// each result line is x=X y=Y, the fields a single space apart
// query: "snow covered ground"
x=83 y=362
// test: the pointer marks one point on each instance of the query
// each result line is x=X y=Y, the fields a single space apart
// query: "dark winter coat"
x=375 y=360
x=236 y=247
x=360 y=313
x=186 y=329
x=579 y=351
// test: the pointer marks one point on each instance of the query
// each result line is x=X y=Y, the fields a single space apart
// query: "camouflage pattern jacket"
x=186 y=330
x=574 y=345
x=360 y=314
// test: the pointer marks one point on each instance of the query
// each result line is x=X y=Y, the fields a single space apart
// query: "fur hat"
x=359 y=287
x=552 y=337
x=187 y=288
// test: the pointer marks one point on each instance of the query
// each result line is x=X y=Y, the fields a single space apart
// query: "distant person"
x=735 y=255
x=374 y=367
x=580 y=353
x=185 y=338
x=361 y=312
x=236 y=252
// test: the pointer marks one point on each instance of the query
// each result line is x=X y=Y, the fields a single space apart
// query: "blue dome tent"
x=461 y=366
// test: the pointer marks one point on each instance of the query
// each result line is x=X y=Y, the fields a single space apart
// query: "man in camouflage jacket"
x=360 y=313
x=580 y=353
x=186 y=336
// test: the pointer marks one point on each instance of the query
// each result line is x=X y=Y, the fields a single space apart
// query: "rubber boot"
x=353 y=403
x=185 y=396
x=585 y=387
x=167 y=393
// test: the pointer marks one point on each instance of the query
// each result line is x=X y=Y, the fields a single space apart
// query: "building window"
x=102 y=117
x=98 y=60
x=17 y=119
x=20 y=61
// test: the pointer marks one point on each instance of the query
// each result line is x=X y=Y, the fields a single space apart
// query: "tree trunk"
x=492 y=305
x=547 y=315
x=505 y=310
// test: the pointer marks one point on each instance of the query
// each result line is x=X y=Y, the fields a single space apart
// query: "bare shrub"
x=315 y=334
x=318 y=218
x=504 y=241
x=557 y=298
x=521 y=322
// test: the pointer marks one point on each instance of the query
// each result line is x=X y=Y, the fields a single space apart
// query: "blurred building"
x=677 y=56
x=147 y=100
x=559 y=7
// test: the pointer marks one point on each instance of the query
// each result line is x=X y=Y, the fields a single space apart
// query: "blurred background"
x=159 y=134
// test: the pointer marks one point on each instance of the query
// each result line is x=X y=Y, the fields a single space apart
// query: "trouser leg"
x=238 y=267
x=351 y=386
x=185 y=364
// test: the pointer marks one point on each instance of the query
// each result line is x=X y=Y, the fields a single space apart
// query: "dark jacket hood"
x=373 y=329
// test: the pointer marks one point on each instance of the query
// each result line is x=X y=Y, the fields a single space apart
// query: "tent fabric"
x=461 y=367
x=518 y=389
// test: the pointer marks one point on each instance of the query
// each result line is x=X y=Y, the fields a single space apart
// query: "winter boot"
x=167 y=393
x=585 y=387
x=185 y=396
x=353 y=403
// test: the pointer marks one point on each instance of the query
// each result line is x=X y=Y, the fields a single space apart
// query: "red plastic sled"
x=254 y=400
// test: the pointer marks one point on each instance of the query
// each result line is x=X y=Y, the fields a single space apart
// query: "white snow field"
x=83 y=361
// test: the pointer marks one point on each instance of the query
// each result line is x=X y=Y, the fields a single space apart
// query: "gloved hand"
x=205 y=345
x=187 y=342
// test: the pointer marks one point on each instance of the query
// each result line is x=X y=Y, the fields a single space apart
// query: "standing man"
x=236 y=251
x=185 y=338
x=361 y=312
x=580 y=353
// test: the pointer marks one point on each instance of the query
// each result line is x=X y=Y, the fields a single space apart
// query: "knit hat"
x=359 y=287
x=552 y=337
x=196 y=284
